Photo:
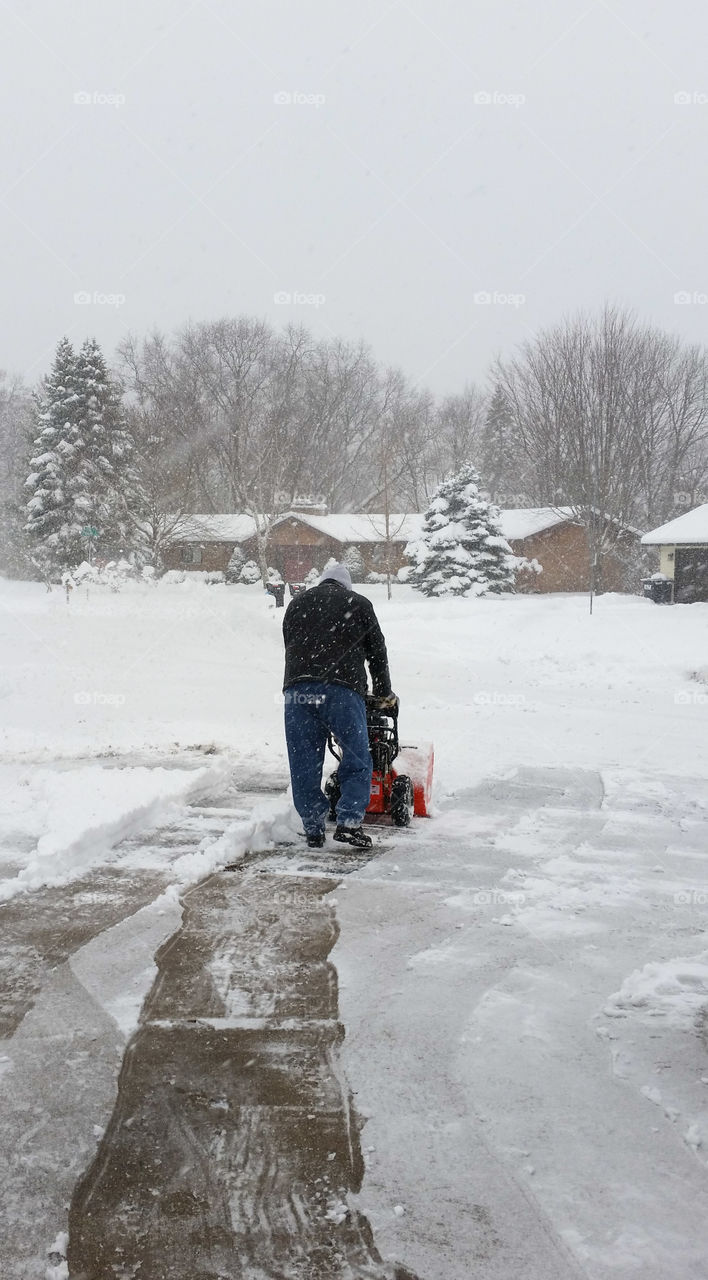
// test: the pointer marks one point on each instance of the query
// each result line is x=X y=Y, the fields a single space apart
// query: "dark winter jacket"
x=329 y=633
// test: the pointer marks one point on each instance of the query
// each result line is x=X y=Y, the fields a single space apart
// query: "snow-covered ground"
x=523 y=978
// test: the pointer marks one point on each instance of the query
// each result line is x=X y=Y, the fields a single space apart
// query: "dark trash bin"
x=277 y=589
x=659 y=589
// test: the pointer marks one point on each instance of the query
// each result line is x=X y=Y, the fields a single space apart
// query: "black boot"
x=353 y=835
x=315 y=839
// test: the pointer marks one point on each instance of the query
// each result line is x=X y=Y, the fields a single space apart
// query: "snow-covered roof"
x=225 y=528
x=523 y=522
x=361 y=526
x=517 y=523
x=344 y=528
x=689 y=528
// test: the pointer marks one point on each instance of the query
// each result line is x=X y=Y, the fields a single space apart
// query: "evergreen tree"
x=17 y=429
x=497 y=451
x=461 y=549
x=54 y=520
x=82 y=473
x=111 y=496
x=354 y=562
x=236 y=562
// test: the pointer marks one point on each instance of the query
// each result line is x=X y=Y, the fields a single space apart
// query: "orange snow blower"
x=402 y=777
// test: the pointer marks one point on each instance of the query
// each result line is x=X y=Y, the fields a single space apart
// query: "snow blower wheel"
x=402 y=800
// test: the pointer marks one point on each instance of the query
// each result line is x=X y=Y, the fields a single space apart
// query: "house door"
x=297 y=562
x=690 y=574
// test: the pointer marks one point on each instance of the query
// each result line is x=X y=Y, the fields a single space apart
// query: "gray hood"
x=338 y=573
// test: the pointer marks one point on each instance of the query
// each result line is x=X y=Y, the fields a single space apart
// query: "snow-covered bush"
x=274 y=575
x=354 y=562
x=235 y=565
x=250 y=572
x=376 y=577
x=207 y=577
x=312 y=578
x=461 y=550
x=114 y=574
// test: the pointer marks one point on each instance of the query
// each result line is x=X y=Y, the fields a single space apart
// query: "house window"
x=191 y=554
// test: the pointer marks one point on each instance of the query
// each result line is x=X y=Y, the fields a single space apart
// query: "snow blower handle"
x=387 y=702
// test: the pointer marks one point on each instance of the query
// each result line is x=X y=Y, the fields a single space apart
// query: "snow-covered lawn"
x=523 y=977
x=497 y=683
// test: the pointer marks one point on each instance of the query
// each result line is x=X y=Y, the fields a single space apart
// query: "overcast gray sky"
x=223 y=153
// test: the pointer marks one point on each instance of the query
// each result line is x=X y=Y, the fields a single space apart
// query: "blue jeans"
x=312 y=710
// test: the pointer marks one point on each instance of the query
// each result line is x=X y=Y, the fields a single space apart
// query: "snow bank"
x=673 y=990
x=84 y=812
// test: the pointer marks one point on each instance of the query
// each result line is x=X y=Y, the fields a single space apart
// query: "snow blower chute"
x=402 y=778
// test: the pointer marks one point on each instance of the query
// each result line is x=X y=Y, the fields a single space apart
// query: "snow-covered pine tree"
x=354 y=562
x=111 y=498
x=236 y=562
x=461 y=550
x=53 y=521
x=498 y=457
x=17 y=430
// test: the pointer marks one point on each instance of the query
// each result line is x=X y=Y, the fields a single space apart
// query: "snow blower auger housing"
x=402 y=778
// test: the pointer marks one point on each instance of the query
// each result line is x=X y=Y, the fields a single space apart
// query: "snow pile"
x=674 y=990
x=79 y=815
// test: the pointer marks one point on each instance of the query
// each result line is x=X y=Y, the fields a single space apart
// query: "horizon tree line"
x=601 y=414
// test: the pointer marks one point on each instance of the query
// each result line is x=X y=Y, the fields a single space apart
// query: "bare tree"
x=606 y=412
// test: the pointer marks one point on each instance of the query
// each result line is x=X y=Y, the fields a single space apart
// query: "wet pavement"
x=42 y=929
x=221 y=1141
x=233 y=1145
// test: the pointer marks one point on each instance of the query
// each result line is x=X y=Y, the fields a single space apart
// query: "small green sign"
x=89 y=531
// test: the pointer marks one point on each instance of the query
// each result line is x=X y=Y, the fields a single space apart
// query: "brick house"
x=297 y=541
x=303 y=539
x=554 y=539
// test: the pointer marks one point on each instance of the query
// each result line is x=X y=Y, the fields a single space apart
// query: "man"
x=330 y=632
